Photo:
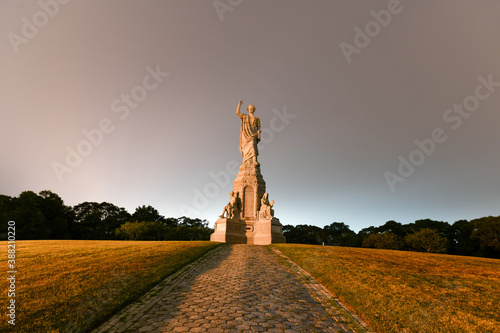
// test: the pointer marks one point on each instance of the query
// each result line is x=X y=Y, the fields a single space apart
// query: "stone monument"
x=248 y=218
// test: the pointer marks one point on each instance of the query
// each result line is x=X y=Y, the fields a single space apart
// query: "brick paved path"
x=235 y=288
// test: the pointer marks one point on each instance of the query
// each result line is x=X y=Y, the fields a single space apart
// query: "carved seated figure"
x=233 y=207
x=266 y=208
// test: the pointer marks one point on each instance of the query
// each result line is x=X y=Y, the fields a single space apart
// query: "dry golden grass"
x=68 y=286
x=398 y=291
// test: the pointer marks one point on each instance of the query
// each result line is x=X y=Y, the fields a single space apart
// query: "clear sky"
x=373 y=110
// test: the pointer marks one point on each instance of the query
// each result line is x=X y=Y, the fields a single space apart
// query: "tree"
x=364 y=233
x=426 y=240
x=303 y=234
x=460 y=241
x=171 y=222
x=128 y=231
x=487 y=231
x=439 y=226
x=386 y=240
x=28 y=214
x=338 y=233
x=393 y=227
x=190 y=229
x=185 y=229
x=367 y=231
x=147 y=213
x=37 y=216
x=189 y=222
x=141 y=231
x=98 y=220
x=6 y=214
x=58 y=215
x=289 y=233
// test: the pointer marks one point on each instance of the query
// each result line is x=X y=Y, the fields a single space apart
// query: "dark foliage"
x=480 y=237
x=45 y=216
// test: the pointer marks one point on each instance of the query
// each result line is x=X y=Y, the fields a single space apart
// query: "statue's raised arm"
x=238 y=108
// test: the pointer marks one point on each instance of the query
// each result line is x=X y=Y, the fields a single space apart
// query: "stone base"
x=229 y=231
x=268 y=232
x=258 y=232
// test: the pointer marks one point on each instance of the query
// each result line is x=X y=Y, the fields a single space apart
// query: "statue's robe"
x=249 y=137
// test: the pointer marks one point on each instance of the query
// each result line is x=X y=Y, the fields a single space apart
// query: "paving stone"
x=198 y=329
x=235 y=288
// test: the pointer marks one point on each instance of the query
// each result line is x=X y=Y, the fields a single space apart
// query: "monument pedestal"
x=268 y=231
x=257 y=232
x=252 y=219
x=229 y=231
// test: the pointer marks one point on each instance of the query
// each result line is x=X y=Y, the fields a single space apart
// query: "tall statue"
x=249 y=134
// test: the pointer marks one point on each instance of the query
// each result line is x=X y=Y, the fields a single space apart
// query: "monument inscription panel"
x=249 y=203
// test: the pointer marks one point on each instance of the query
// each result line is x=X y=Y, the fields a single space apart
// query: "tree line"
x=479 y=237
x=45 y=216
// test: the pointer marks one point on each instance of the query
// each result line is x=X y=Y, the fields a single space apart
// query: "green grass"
x=75 y=285
x=399 y=291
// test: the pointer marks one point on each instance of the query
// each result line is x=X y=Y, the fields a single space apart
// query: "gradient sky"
x=347 y=123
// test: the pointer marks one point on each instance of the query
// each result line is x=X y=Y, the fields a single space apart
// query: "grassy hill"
x=70 y=285
x=399 y=291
